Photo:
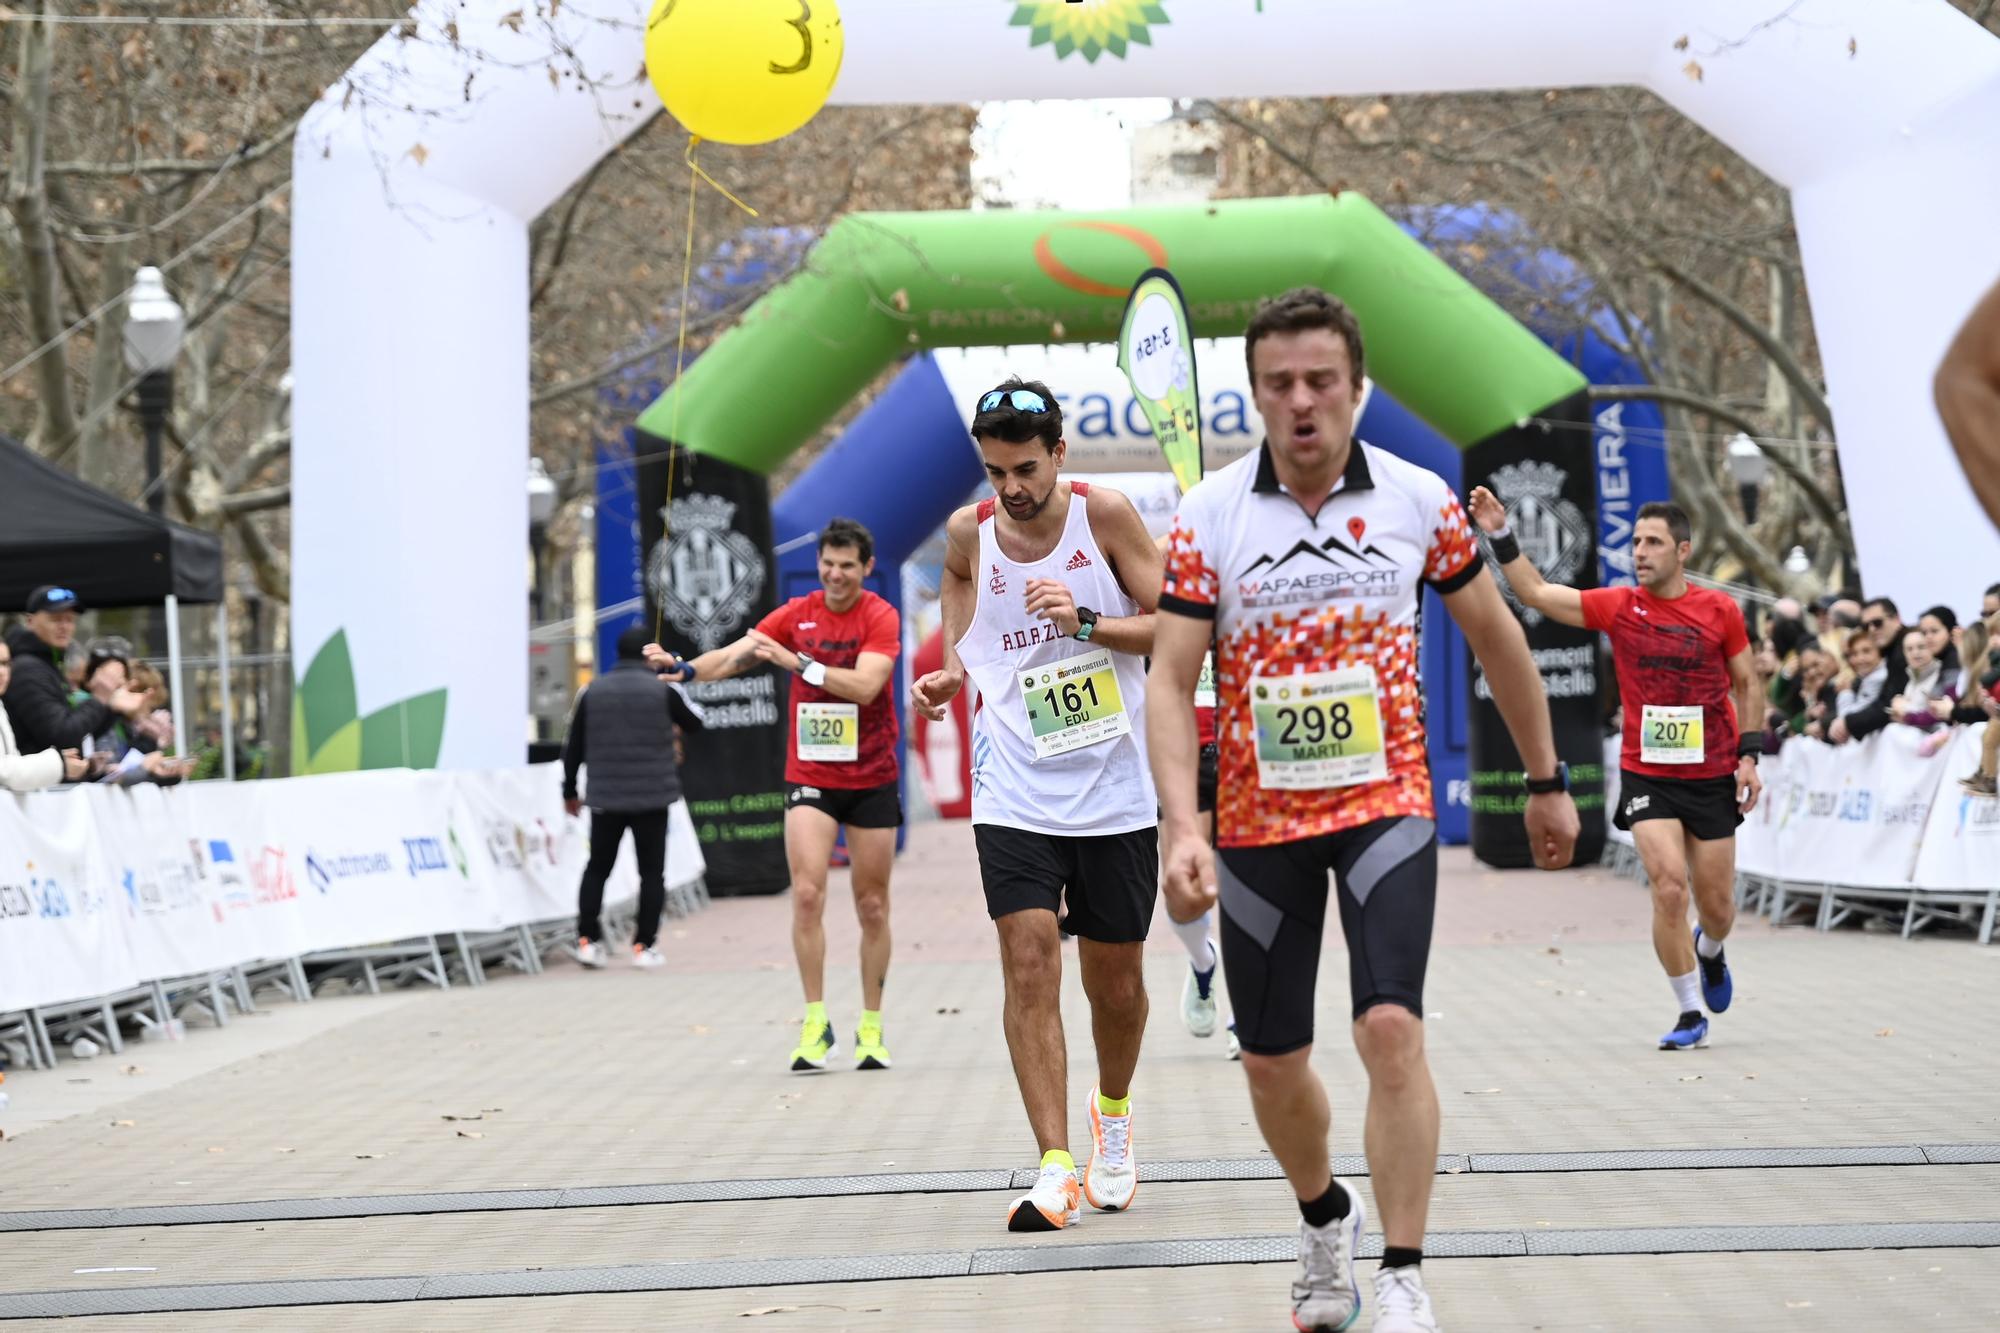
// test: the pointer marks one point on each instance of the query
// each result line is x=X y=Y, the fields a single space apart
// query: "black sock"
x=1328 y=1208
x=1395 y=1256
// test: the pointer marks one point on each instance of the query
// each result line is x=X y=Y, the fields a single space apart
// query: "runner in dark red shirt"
x=1688 y=771
x=840 y=643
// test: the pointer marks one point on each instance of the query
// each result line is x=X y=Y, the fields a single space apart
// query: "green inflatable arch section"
x=881 y=285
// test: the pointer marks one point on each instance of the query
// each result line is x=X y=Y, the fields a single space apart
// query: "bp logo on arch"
x=1089 y=27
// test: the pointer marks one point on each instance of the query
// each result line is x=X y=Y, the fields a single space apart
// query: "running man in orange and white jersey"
x=1306 y=562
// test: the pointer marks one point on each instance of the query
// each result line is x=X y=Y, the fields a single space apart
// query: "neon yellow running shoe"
x=815 y=1044
x=869 y=1052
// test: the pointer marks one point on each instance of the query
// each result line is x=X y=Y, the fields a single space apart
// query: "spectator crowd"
x=97 y=715
x=1845 y=669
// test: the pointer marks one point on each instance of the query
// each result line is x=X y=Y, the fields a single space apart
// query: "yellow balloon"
x=743 y=71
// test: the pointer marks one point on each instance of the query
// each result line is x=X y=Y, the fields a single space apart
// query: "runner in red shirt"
x=1688 y=771
x=840 y=762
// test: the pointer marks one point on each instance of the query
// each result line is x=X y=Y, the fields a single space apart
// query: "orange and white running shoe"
x=1050 y=1206
x=1111 y=1177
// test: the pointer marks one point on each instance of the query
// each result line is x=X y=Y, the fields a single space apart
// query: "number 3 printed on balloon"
x=805 y=35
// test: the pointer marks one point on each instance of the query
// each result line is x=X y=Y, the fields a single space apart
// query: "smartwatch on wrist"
x=1547 y=786
x=1086 y=624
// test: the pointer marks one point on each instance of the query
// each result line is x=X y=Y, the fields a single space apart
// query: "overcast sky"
x=1073 y=155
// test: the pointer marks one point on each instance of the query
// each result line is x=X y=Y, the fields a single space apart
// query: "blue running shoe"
x=1717 y=986
x=1690 y=1032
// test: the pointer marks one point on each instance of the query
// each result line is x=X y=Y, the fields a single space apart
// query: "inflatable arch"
x=411 y=207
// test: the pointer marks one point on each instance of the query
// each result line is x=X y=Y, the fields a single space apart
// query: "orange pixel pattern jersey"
x=1295 y=594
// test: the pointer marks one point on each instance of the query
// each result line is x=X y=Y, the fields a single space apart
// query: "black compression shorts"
x=1274 y=914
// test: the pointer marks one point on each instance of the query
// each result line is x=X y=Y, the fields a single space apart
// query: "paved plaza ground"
x=625 y=1149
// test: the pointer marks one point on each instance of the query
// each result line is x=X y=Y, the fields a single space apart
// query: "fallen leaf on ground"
x=367 y=1156
x=132 y=1069
x=1798 y=1305
x=288 y=1150
x=464 y=1117
x=1751 y=1076
x=123 y=1124
x=470 y=1134
x=766 y=1309
x=1886 y=1032
x=1690 y=1078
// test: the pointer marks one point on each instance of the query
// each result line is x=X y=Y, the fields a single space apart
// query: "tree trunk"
x=28 y=203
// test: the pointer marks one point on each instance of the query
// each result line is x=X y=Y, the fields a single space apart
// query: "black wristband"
x=1506 y=548
x=1749 y=745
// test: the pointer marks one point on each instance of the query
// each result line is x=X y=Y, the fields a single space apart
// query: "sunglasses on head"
x=1023 y=400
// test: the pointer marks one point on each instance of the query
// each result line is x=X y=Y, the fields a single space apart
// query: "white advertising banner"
x=104 y=888
x=1846 y=814
x=1961 y=846
x=61 y=937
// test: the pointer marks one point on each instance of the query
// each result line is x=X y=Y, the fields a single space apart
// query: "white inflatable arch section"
x=413 y=196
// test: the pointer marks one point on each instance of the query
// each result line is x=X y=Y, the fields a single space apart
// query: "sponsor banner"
x=102 y=889
x=706 y=528
x=1546 y=477
x=61 y=935
x=1862 y=815
x=1156 y=353
x=1961 y=842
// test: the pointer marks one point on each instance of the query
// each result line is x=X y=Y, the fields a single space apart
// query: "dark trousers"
x=649 y=844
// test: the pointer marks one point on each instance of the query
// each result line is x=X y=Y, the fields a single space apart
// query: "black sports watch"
x=1086 y=624
x=1548 y=786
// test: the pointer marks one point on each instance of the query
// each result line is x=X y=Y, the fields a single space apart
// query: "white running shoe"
x=648 y=956
x=1401 y=1303
x=1050 y=1206
x=590 y=953
x=1235 y=1047
x=1111 y=1177
x=1326 y=1297
x=1198 y=999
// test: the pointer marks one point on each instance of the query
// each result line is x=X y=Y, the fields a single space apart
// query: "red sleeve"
x=1192 y=586
x=1735 y=635
x=1452 y=558
x=885 y=630
x=1602 y=605
x=779 y=624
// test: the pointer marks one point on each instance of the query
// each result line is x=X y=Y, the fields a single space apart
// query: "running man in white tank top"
x=1048 y=595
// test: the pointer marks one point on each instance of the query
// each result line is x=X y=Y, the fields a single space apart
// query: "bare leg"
x=1113 y=980
x=1662 y=850
x=1713 y=866
x=1293 y=1114
x=1402 y=1130
x=809 y=835
x=872 y=851
x=1031 y=961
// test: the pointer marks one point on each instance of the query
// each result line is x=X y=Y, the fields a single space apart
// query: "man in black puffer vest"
x=623 y=730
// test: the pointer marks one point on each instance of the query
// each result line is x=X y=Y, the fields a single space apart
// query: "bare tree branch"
x=27 y=201
x=1753 y=328
x=253 y=502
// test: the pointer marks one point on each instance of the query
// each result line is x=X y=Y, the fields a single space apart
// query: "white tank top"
x=1059 y=733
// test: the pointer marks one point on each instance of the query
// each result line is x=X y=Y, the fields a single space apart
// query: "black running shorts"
x=1274 y=914
x=1103 y=887
x=856 y=807
x=1706 y=807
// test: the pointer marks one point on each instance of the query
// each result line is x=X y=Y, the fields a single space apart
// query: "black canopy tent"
x=57 y=529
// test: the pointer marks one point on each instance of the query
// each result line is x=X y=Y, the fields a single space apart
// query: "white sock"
x=1687 y=989
x=1708 y=946
x=1194 y=938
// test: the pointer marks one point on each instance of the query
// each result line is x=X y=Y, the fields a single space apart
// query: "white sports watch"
x=813 y=673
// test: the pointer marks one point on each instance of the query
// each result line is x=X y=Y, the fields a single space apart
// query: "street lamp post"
x=154 y=327
x=1749 y=466
x=541 y=508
